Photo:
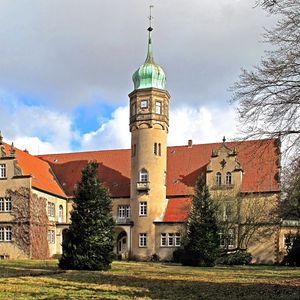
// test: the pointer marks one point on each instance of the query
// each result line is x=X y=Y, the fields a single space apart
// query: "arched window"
x=218 y=178
x=60 y=213
x=228 y=179
x=144 y=175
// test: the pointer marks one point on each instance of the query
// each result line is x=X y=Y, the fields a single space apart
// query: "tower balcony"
x=143 y=186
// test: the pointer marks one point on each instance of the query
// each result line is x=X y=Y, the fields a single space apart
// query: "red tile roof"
x=259 y=160
x=177 y=210
x=40 y=171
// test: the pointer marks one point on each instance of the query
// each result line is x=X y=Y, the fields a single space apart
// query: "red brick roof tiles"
x=177 y=210
x=258 y=159
x=40 y=171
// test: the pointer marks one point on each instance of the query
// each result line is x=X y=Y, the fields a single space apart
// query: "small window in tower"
x=218 y=178
x=134 y=150
x=144 y=103
x=155 y=148
x=159 y=149
x=144 y=175
x=158 y=107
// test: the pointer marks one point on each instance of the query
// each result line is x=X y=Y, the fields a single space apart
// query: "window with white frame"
x=170 y=239
x=2 y=170
x=60 y=213
x=5 y=234
x=144 y=103
x=51 y=209
x=228 y=178
x=123 y=211
x=158 y=107
x=51 y=236
x=5 y=204
x=218 y=178
x=227 y=240
x=143 y=208
x=143 y=240
x=144 y=175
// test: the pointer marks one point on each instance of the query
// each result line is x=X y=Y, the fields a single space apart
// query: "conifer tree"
x=201 y=245
x=88 y=244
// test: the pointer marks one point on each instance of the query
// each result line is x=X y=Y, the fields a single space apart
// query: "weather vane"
x=150 y=18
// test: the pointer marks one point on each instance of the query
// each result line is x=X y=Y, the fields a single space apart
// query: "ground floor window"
x=143 y=240
x=51 y=236
x=170 y=239
x=227 y=240
x=5 y=233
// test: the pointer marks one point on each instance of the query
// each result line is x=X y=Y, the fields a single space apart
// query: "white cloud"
x=36 y=128
x=112 y=134
x=201 y=124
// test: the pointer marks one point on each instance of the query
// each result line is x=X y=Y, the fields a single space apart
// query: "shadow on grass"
x=162 y=288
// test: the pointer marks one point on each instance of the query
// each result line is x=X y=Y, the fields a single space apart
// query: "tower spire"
x=149 y=57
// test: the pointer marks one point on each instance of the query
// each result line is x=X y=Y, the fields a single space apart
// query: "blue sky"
x=66 y=68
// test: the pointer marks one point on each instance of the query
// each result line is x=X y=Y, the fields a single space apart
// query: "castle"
x=151 y=186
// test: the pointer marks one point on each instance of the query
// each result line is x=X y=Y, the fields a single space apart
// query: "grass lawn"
x=131 y=280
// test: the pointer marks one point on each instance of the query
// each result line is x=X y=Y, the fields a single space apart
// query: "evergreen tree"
x=88 y=244
x=201 y=245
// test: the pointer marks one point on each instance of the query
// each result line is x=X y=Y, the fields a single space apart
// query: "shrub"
x=239 y=257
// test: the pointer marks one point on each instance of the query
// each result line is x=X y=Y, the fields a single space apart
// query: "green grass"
x=131 y=280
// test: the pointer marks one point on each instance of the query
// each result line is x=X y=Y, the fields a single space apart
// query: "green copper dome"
x=149 y=74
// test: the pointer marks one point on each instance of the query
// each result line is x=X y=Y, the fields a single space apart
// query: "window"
x=144 y=175
x=51 y=236
x=227 y=240
x=51 y=209
x=177 y=239
x=5 y=234
x=144 y=103
x=228 y=179
x=170 y=239
x=124 y=211
x=218 y=178
x=155 y=148
x=163 y=239
x=159 y=149
x=5 y=204
x=158 y=107
x=2 y=170
x=288 y=240
x=143 y=240
x=134 y=150
x=133 y=110
x=143 y=208
x=60 y=213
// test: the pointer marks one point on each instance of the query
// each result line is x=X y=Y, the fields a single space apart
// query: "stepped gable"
x=42 y=176
x=184 y=164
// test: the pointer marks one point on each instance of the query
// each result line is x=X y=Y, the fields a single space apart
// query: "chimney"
x=190 y=143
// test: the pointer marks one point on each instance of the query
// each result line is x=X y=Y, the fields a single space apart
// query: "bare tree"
x=268 y=96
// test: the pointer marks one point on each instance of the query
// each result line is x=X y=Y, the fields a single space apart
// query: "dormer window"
x=144 y=175
x=144 y=103
x=218 y=178
x=228 y=179
x=158 y=107
x=2 y=170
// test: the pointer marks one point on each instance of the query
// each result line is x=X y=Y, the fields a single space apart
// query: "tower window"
x=159 y=149
x=158 y=107
x=143 y=208
x=155 y=148
x=144 y=175
x=143 y=240
x=228 y=178
x=2 y=170
x=133 y=150
x=144 y=103
x=218 y=178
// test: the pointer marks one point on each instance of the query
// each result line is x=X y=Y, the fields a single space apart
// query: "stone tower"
x=149 y=121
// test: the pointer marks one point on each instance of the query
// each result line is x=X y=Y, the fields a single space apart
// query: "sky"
x=66 y=68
